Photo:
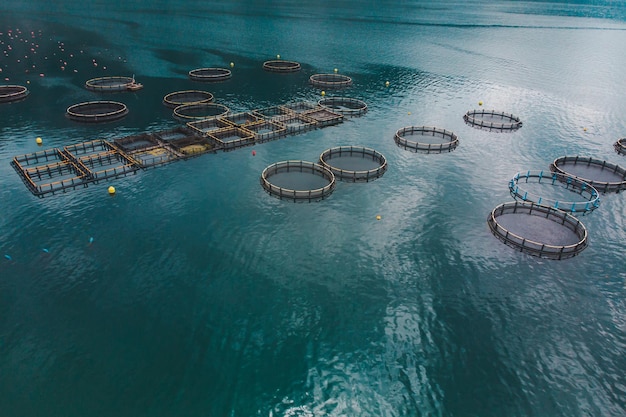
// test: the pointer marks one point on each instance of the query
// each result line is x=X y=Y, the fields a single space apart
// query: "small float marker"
x=8 y=257
x=323 y=93
x=335 y=70
x=253 y=153
x=45 y=250
x=39 y=141
x=378 y=217
x=386 y=83
x=278 y=56
x=90 y=240
x=480 y=103
x=232 y=64
x=111 y=191
x=409 y=113
x=584 y=129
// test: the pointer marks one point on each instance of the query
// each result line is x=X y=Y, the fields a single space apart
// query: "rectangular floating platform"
x=101 y=159
x=267 y=130
x=300 y=106
x=155 y=155
x=137 y=142
x=176 y=133
x=203 y=127
x=232 y=137
x=241 y=119
x=273 y=113
x=194 y=145
x=324 y=117
x=297 y=123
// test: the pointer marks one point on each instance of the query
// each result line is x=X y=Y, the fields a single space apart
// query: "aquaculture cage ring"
x=538 y=230
x=523 y=183
x=210 y=74
x=354 y=163
x=344 y=105
x=97 y=111
x=112 y=84
x=427 y=139
x=11 y=93
x=178 y=98
x=279 y=65
x=620 y=146
x=298 y=181
x=330 y=80
x=606 y=177
x=191 y=112
x=492 y=120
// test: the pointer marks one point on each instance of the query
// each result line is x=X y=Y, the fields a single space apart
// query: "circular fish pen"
x=179 y=98
x=210 y=74
x=330 y=80
x=620 y=146
x=344 y=105
x=354 y=163
x=538 y=230
x=604 y=176
x=10 y=93
x=492 y=120
x=299 y=181
x=190 y=112
x=426 y=139
x=278 y=65
x=528 y=186
x=109 y=84
x=97 y=111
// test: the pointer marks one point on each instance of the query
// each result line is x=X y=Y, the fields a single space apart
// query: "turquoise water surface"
x=192 y=292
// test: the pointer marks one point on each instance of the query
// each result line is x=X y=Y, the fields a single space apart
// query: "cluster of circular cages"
x=493 y=121
x=552 y=229
x=334 y=163
x=12 y=93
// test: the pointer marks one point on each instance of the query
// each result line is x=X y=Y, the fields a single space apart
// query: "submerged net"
x=354 y=163
x=298 y=181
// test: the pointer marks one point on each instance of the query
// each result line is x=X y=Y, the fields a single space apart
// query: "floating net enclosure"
x=178 y=98
x=266 y=130
x=97 y=111
x=241 y=119
x=492 y=120
x=344 y=105
x=101 y=159
x=426 y=139
x=300 y=107
x=203 y=127
x=10 y=93
x=279 y=65
x=296 y=123
x=273 y=113
x=49 y=171
x=620 y=146
x=191 y=112
x=179 y=132
x=137 y=142
x=330 y=80
x=604 y=176
x=576 y=196
x=538 y=230
x=193 y=145
x=109 y=84
x=210 y=74
x=354 y=163
x=324 y=117
x=232 y=137
x=299 y=181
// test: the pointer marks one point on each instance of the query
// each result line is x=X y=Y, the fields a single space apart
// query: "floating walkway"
x=62 y=169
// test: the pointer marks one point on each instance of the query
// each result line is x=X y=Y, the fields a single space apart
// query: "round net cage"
x=564 y=192
x=538 y=230
x=109 y=84
x=298 y=181
x=97 y=111
x=9 y=93
x=604 y=176
x=279 y=65
x=344 y=105
x=354 y=163
x=492 y=120
x=426 y=139
x=620 y=146
x=190 y=112
x=330 y=80
x=210 y=74
x=179 y=98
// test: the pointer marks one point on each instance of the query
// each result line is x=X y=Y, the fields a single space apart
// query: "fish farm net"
x=354 y=163
x=210 y=74
x=620 y=146
x=11 y=93
x=231 y=138
x=191 y=112
x=109 y=84
x=273 y=112
x=298 y=181
x=97 y=111
x=267 y=130
x=178 y=98
x=344 y=105
x=203 y=127
x=101 y=159
x=577 y=196
x=241 y=119
x=492 y=120
x=330 y=80
x=281 y=66
x=538 y=230
x=606 y=177
x=426 y=139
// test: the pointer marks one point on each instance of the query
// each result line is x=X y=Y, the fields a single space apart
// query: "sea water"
x=192 y=292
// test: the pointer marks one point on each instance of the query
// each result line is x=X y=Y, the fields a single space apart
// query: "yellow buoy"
x=278 y=56
x=323 y=93
x=386 y=83
x=232 y=64
x=480 y=103
x=111 y=190
x=585 y=129
x=409 y=113
x=335 y=70
x=39 y=141
x=378 y=217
